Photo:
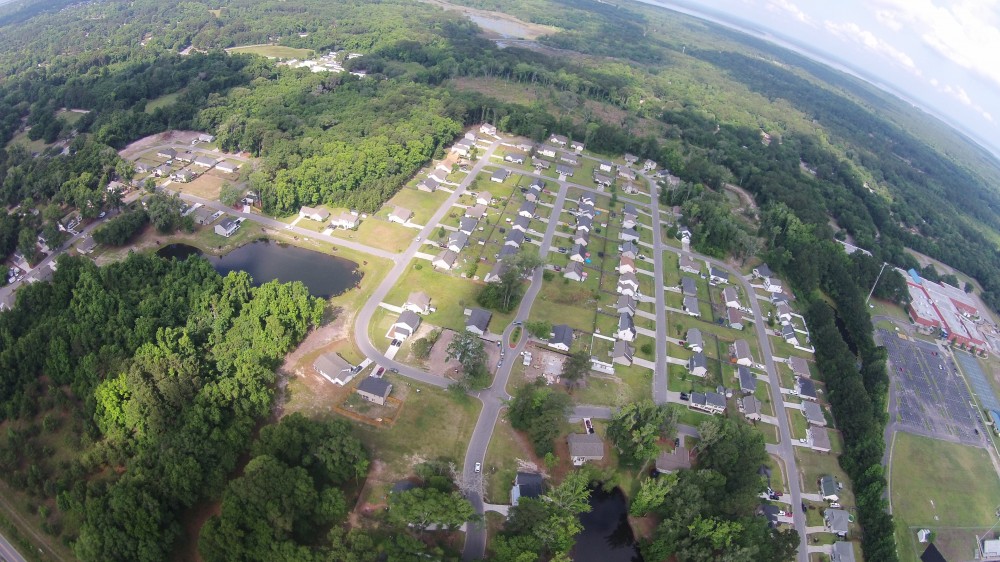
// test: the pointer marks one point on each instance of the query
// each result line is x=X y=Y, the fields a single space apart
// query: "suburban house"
x=205 y=162
x=314 y=213
x=813 y=413
x=584 y=222
x=475 y=212
x=183 y=176
x=626 y=328
x=467 y=225
x=739 y=353
x=672 y=461
x=784 y=312
x=227 y=166
x=800 y=367
x=564 y=170
x=186 y=156
x=605 y=166
x=601 y=179
x=118 y=186
x=629 y=249
x=514 y=157
x=772 y=285
x=205 y=137
x=494 y=275
x=805 y=388
x=718 y=275
x=837 y=521
x=161 y=171
x=561 y=337
x=531 y=195
x=477 y=320
x=547 y=151
x=625 y=305
x=691 y=306
x=748 y=382
x=819 y=439
x=558 y=139
x=762 y=271
x=688 y=287
x=521 y=223
x=500 y=175
x=167 y=153
x=578 y=253
x=788 y=334
x=629 y=222
x=405 y=325
x=334 y=368
x=577 y=146
x=401 y=215
x=685 y=233
x=526 y=485
x=629 y=234
x=506 y=251
x=622 y=353
x=778 y=297
x=582 y=237
x=585 y=210
x=648 y=166
x=630 y=187
x=626 y=173
x=514 y=238
x=688 y=265
x=585 y=447
x=735 y=318
x=537 y=184
x=843 y=551
x=569 y=158
x=694 y=340
x=626 y=265
x=488 y=129
x=730 y=297
x=631 y=159
x=628 y=284
x=457 y=241
x=428 y=184
x=484 y=198
x=711 y=402
x=86 y=245
x=374 y=389
x=574 y=271
x=462 y=147
x=445 y=260
x=419 y=302
x=142 y=167
x=527 y=209
x=227 y=227
x=698 y=365
x=629 y=211
x=344 y=220
x=750 y=407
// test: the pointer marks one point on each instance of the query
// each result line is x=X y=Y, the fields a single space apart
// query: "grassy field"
x=162 y=101
x=506 y=452
x=449 y=294
x=31 y=145
x=422 y=204
x=938 y=484
x=70 y=117
x=385 y=235
x=273 y=51
x=205 y=186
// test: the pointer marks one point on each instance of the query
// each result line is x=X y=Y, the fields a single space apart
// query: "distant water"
x=324 y=275
x=606 y=535
x=505 y=28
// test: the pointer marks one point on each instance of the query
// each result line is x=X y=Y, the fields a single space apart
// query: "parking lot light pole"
x=885 y=263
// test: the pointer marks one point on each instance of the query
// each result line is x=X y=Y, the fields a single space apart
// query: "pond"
x=606 y=535
x=324 y=275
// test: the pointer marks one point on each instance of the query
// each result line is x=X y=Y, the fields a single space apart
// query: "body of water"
x=323 y=274
x=606 y=535
x=502 y=27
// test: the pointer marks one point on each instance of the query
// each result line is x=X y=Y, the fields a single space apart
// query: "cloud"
x=850 y=31
x=889 y=19
x=962 y=96
x=791 y=9
x=965 y=32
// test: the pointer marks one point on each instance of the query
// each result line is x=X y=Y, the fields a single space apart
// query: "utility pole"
x=876 y=281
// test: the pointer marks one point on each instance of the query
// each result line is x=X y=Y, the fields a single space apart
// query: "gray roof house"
x=718 y=275
x=730 y=297
x=805 y=388
x=842 y=551
x=527 y=209
x=629 y=234
x=484 y=198
x=762 y=270
x=558 y=139
x=605 y=166
x=514 y=238
x=445 y=260
x=574 y=271
x=694 y=340
x=402 y=215
x=494 y=275
x=374 y=389
x=428 y=184
x=477 y=321
x=345 y=220
x=711 y=402
x=205 y=161
x=689 y=265
x=625 y=305
x=577 y=146
x=622 y=352
x=698 y=365
x=564 y=170
x=688 y=287
x=507 y=250
x=584 y=223
x=227 y=166
x=500 y=175
x=578 y=253
x=467 y=225
x=750 y=407
x=334 y=368
x=672 y=461
x=585 y=447
x=419 y=302
x=626 y=328
x=405 y=325
x=569 y=158
x=521 y=223
x=601 y=179
x=561 y=337
x=748 y=382
x=166 y=153
x=629 y=249
x=799 y=366
x=691 y=306
x=828 y=488
x=739 y=353
x=813 y=413
x=819 y=438
x=537 y=184
x=837 y=521
x=788 y=334
x=582 y=237
x=457 y=241
x=227 y=227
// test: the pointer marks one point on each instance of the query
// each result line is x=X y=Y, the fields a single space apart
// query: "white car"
x=102 y=215
x=479 y=467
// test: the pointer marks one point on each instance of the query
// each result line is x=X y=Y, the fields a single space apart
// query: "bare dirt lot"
x=168 y=137
x=205 y=186
x=438 y=361
x=544 y=363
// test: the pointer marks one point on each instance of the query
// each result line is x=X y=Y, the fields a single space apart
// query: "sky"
x=940 y=55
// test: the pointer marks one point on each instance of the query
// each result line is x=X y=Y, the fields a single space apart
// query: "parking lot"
x=977 y=379
x=931 y=398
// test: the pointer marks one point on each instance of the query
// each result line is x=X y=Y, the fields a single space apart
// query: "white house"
x=698 y=365
x=561 y=337
x=419 y=302
x=558 y=139
x=457 y=241
x=626 y=265
x=400 y=215
x=690 y=306
x=694 y=340
x=772 y=285
x=577 y=146
x=626 y=328
x=739 y=353
x=484 y=198
x=628 y=284
x=477 y=320
x=574 y=271
x=710 y=402
x=730 y=297
x=689 y=265
x=344 y=220
x=334 y=368
x=445 y=260
x=405 y=325
x=622 y=353
x=314 y=213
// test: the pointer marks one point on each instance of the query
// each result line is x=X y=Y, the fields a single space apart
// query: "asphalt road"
x=8 y=553
x=660 y=373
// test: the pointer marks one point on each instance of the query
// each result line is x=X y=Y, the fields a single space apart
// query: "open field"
x=31 y=145
x=422 y=204
x=451 y=295
x=162 y=101
x=935 y=484
x=507 y=453
x=205 y=186
x=383 y=234
x=273 y=51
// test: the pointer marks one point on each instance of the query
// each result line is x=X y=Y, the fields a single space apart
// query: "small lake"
x=324 y=275
x=606 y=535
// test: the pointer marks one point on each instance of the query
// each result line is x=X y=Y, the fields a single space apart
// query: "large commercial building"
x=943 y=309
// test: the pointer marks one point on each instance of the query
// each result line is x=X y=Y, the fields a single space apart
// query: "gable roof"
x=799 y=366
x=479 y=318
x=515 y=236
x=527 y=207
x=691 y=304
x=375 y=385
x=467 y=225
x=688 y=286
x=669 y=461
x=419 y=299
x=697 y=360
x=402 y=213
x=837 y=519
x=585 y=445
x=584 y=221
x=331 y=363
x=813 y=412
x=843 y=551
x=806 y=387
x=787 y=331
x=521 y=221
x=630 y=210
x=694 y=337
x=734 y=316
x=500 y=174
x=819 y=436
x=622 y=349
x=561 y=333
x=409 y=319
x=447 y=256
x=625 y=301
x=729 y=294
x=564 y=170
x=529 y=484
x=751 y=406
x=629 y=246
x=458 y=238
x=687 y=261
x=625 y=322
x=484 y=195
x=763 y=270
x=741 y=349
x=748 y=382
x=828 y=485
x=573 y=267
x=720 y=273
x=932 y=554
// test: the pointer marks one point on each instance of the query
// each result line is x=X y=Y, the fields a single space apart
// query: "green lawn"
x=451 y=295
x=812 y=465
x=422 y=204
x=569 y=303
x=385 y=235
x=936 y=483
x=797 y=423
x=506 y=448
x=162 y=101
x=273 y=51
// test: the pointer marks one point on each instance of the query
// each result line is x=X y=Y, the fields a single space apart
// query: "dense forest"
x=164 y=369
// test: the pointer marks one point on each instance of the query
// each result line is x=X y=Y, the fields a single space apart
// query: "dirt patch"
x=438 y=361
x=544 y=364
x=166 y=137
x=520 y=28
x=205 y=186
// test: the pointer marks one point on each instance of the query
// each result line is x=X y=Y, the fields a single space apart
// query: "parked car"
x=479 y=467
x=684 y=396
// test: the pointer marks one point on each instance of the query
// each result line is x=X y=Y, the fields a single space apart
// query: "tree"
x=229 y=194
x=504 y=294
x=636 y=427
x=575 y=367
x=652 y=494
x=736 y=450
x=540 y=412
x=149 y=185
x=425 y=507
x=469 y=350
x=119 y=230
x=164 y=211
x=540 y=329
